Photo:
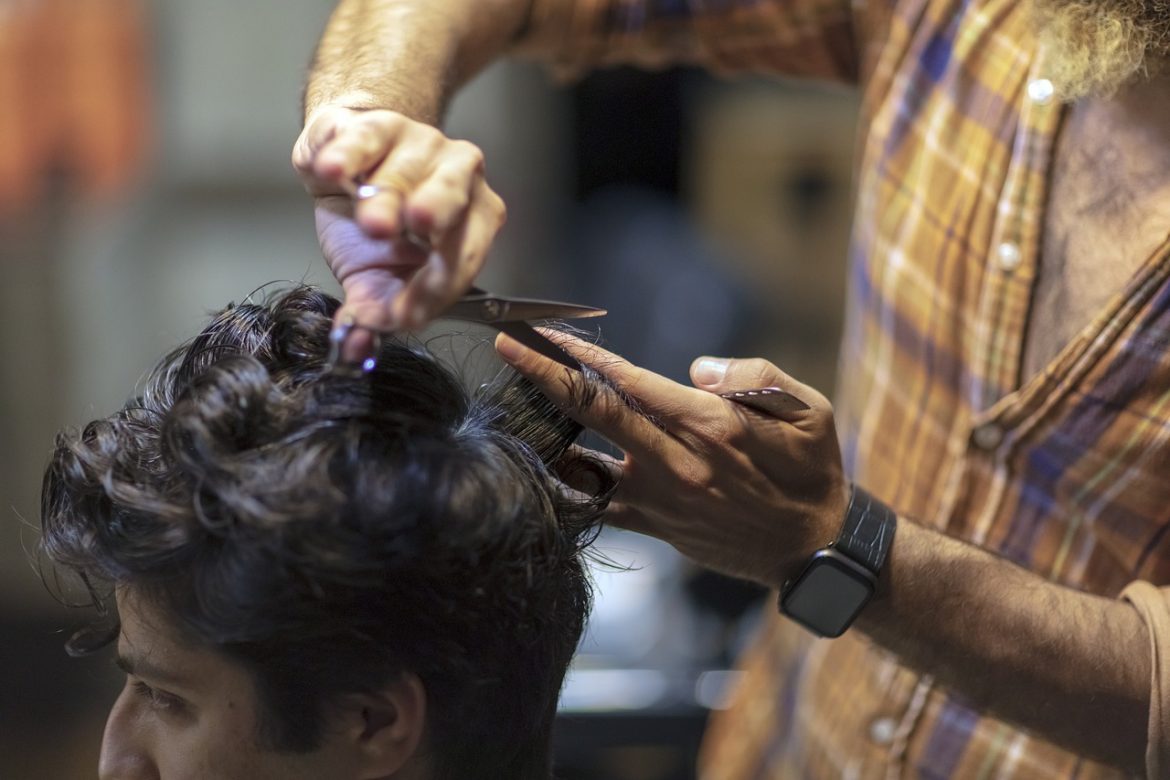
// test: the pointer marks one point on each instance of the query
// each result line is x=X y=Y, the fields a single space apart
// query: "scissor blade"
x=481 y=306
x=535 y=309
x=526 y=335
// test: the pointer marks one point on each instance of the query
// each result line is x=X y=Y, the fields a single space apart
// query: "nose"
x=124 y=753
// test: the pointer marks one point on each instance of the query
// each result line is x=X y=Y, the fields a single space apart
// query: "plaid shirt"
x=1065 y=473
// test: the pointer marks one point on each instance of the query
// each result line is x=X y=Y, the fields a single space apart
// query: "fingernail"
x=710 y=371
x=510 y=349
x=342 y=328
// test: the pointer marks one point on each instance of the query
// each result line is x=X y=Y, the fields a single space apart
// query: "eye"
x=158 y=700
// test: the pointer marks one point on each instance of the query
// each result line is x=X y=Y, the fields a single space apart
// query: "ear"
x=387 y=729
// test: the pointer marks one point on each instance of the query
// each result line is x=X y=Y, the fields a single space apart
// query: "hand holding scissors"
x=404 y=214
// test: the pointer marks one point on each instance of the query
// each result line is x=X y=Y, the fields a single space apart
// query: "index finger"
x=676 y=405
x=590 y=402
x=633 y=408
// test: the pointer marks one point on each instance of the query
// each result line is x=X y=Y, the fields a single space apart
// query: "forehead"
x=145 y=629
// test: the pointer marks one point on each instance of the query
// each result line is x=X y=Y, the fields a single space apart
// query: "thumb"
x=726 y=375
x=373 y=299
x=357 y=325
x=721 y=375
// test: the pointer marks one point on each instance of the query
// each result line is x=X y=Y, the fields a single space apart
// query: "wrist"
x=838 y=580
x=419 y=92
x=353 y=100
x=822 y=530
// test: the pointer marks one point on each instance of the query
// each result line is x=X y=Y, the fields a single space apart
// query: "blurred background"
x=144 y=181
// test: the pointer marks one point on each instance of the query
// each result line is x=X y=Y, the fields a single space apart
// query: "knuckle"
x=757 y=367
x=738 y=437
x=472 y=156
x=360 y=136
x=714 y=430
x=300 y=159
x=695 y=477
x=347 y=125
x=610 y=409
x=387 y=118
x=330 y=124
x=448 y=192
x=409 y=163
x=824 y=412
x=596 y=400
x=449 y=180
x=428 y=137
x=444 y=204
x=458 y=202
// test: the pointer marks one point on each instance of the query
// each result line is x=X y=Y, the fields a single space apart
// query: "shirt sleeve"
x=820 y=39
x=1154 y=608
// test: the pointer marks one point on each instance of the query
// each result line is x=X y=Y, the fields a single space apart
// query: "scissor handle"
x=771 y=401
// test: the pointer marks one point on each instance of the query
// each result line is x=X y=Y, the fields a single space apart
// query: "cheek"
x=233 y=750
x=229 y=743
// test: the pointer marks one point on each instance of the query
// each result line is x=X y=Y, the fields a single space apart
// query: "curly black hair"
x=329 y=532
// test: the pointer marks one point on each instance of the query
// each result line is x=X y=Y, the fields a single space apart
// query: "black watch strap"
x=868 y=531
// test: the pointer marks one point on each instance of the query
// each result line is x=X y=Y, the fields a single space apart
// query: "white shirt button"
x=988 y=437
x=1009 y=256
x=1041 y=91
x=882 y=730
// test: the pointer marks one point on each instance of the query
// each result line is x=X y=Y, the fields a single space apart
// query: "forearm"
x=408 y=55
x=1069 y=666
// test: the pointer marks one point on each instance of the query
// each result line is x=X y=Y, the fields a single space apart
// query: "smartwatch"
x=840 y=579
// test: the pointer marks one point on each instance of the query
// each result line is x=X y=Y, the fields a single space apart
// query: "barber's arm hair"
x=408 y=55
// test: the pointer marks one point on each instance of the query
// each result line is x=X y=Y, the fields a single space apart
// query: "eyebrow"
x=142 y=667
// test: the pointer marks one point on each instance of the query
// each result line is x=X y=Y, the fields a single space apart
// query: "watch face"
x=828 y=594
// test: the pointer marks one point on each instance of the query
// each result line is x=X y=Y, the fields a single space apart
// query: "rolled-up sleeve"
x=1153 y=604
x=817 y=39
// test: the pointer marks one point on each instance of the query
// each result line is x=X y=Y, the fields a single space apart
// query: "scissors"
x=510 y=315
x=504 y=313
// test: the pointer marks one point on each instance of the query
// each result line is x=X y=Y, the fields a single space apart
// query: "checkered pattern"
x=1066 y=473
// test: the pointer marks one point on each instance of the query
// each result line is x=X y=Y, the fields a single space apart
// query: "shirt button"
x=1041 y=91
x=988 y=437
x=882 y=730
x=1009 y=256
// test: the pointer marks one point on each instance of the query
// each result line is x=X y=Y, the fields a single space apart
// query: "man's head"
x=1095 y=47
x=326 y=576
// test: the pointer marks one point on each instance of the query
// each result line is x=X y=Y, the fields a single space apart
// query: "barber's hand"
x=432 y=193
x=736 y=490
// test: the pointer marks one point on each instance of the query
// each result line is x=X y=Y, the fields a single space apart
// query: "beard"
x=1096 y=47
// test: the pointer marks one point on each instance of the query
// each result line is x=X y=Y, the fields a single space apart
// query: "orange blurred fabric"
x=74 y=97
